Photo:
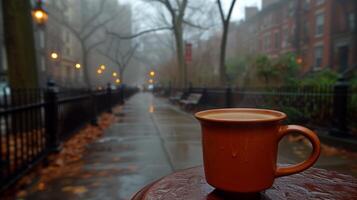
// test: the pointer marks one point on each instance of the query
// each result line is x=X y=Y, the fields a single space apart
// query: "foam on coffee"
x=238 y=116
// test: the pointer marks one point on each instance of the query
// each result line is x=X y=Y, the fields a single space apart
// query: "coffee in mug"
x=240 y=148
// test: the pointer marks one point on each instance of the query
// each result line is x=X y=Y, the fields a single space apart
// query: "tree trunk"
x=121 y=74
x=182 y=78
x=222 y=58
x=20 y=45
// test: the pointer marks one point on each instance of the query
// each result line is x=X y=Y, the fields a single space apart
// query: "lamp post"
x=39 y=13
x=40 y=17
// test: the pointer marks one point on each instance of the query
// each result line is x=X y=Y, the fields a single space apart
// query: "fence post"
x=340 y=100
x=94 y=108
x=228 y=97
x=52 y=117
x=109 y=98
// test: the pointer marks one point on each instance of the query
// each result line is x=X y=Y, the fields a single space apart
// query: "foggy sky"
x=238 y=12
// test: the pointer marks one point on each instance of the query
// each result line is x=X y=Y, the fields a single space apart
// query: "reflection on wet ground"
x=152 y=139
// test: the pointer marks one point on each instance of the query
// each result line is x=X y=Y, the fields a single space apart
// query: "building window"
x=319 y=26
x=352 y=21
x=319 y=51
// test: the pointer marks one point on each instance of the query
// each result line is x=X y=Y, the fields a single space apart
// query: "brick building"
x=321 y=32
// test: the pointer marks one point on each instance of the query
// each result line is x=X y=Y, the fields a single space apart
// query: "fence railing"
x=330 y=106
x=34 y=122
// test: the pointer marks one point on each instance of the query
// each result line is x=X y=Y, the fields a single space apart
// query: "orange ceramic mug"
x=240 y=148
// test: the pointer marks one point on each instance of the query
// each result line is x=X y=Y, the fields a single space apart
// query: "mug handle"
x=284 y=130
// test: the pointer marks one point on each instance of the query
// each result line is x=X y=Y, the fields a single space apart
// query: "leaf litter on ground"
x=72 y=152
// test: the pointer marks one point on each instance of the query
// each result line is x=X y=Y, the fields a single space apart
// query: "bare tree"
x=225 y=18
x=116 y=55
x=91 y=25
x=177 y=12
x=175 y=16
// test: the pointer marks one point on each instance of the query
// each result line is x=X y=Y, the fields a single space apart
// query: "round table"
x=190 y=184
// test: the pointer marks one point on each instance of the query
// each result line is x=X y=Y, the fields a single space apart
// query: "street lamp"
x=39 y=13
x=115 y=74
x=102 y=67
x=99 y=71
x=78 y=66
x=152 y=73
x=54 y=55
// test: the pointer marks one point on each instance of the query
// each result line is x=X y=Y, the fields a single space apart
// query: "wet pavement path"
x=152 y=139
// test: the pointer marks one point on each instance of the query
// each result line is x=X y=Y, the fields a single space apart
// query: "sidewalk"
x=153 y=139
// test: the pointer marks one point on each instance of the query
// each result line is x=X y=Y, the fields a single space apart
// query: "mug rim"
x=278 y=116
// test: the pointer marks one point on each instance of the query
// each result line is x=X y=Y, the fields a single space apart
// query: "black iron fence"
x=34 y=122
x=330 y=106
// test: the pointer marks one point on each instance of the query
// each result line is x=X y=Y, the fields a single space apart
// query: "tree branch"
x=67 y=25
x=221 y=10
x=131 y=53
x=129 y=37
x=96 y=27
x=93 y=17
x=90 y=47
x=194 y=25
x=231 y=10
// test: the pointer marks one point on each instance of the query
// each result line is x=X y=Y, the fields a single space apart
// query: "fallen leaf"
x=67 y=189
x=41 y=186
x=79 y=190
x=21 y=194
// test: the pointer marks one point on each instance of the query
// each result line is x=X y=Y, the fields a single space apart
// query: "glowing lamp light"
x=117 y=81
x=152 y=73
x=54 y=55
x=39 y=14
x=78 y=66
x=115 y=74
x=102 y=67
x=99 y=71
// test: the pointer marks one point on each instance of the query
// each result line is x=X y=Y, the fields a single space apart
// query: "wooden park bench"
x=192 y=100
x=176 y=97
